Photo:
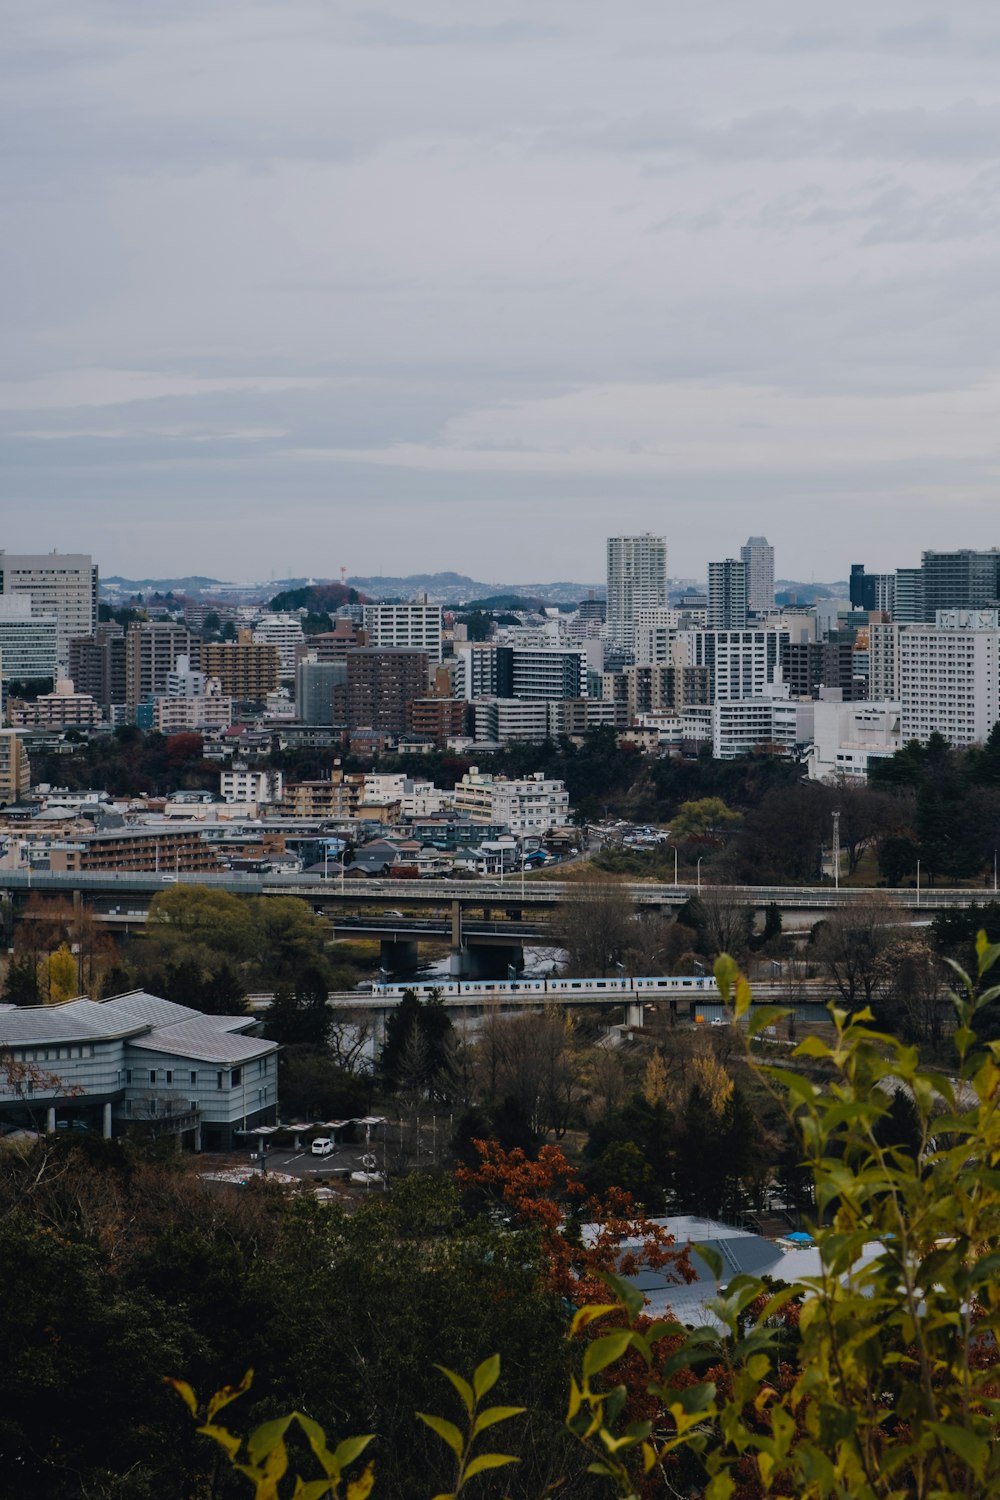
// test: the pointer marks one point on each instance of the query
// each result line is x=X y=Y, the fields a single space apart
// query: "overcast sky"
x=295 y=284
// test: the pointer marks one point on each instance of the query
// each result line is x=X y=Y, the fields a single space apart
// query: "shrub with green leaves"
x=876 y=1379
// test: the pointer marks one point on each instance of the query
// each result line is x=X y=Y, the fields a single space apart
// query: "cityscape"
x=499 y=752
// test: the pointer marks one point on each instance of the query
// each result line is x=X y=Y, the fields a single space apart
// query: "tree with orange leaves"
x=583 y=1236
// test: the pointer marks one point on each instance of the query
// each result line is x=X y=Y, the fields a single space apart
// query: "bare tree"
x=854 y=944
x=597 y=924
x=725 y=922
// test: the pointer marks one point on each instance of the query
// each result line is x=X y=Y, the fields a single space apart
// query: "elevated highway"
x=537 y=895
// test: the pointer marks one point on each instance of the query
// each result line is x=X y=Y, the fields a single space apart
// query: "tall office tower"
x=960 y=580
x=637 y=579
x=908 y=596
x=417 y=626
x=63 y=584
x=152 y=651
x=727 y=595
x=758 y=557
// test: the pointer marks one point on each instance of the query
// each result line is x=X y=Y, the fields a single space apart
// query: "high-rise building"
x=316 y=697
x=15 y=769
x=758 y=556
x=97 y=665
x=960 y=580
x=63 y=584
x=908 y=596
x=417 y=626
x=949 y=682
x=152 y=651
x=809 y=665
x=28 y=642
x=743 y=663
x=381 y=681
x=520 y=672
x=872 y=592
x=283 y=631
x=727 y=595
x=637 y=579
x=247 y=669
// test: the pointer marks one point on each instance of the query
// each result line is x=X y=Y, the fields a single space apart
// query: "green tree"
x=20 y=986
x=707 y=817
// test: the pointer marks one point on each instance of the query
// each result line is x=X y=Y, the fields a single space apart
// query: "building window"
x=170 y=1076
x=218 y=1080
x=152 y=1075
x=237 y=1076
x=194 y=1076
x=128 y=1075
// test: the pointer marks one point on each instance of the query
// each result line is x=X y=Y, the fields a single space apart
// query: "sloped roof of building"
x=74 y=1021
x=204 y=1041
x=742 y=1253
x=159 y=1012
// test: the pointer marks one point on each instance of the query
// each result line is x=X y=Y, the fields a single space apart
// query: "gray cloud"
x=453 y=255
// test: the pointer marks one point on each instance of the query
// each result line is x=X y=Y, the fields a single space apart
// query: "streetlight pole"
x=994 y=871
x=918 y=883
x=698 y=872
x=836 y=851
x=674 y=847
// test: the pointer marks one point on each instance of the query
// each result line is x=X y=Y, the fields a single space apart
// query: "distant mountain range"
x=458 y=588
x=441 y=588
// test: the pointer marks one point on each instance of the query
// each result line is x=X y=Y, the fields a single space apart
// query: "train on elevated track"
x=674 y=984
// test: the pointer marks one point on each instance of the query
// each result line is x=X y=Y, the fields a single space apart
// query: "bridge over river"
x=486 y=923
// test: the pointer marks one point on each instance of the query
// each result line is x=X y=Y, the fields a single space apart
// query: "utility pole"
x=836 y=851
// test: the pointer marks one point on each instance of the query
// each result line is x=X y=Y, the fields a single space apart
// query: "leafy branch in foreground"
x=874 y=1377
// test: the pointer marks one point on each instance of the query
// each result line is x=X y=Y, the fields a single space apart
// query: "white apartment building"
x=29 y=642
x=242 y=785
x=637 y=579
x=283 y=631
x=63 y=584
x=182 y=682
x=744 y=664
x=60 y=709
x=741 y=727
x=417 y=626
x=534 y=805
x=949 y=683
x=655 y=630
x=194 y=711
x=498 y=720
x=847 y=737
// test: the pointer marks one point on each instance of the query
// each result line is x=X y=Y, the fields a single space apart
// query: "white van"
x=322 y=1146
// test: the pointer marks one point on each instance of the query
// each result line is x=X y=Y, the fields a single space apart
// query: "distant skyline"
x=437 y=287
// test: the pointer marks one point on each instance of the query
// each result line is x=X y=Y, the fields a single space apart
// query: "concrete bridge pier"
x=633 y=1014
x=398 y=955
x=486 y=960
